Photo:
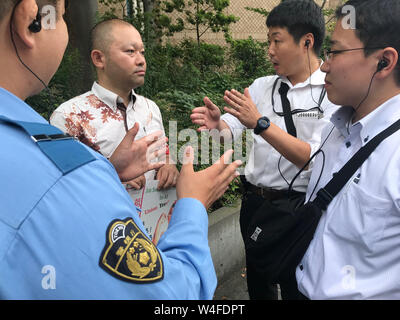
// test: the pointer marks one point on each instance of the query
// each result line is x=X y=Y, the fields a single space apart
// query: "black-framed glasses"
x=328 y=54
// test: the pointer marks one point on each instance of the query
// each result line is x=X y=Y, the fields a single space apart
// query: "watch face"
x=262 y=124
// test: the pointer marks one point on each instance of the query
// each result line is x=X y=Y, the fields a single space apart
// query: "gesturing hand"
x=207 y=185
x=207 y=117
x=133 y=158
x=242 y=107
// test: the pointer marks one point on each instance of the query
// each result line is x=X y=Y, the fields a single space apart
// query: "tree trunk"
x=148 y=5
x=129 y=8
x=81 y=17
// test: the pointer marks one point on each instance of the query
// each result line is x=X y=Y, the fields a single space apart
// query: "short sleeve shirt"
x=266 y=167
x=95 y=119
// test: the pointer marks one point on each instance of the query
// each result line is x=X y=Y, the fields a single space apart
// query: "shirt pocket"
x=361 y=219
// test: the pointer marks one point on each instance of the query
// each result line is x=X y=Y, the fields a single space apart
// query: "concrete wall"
x=225 y=241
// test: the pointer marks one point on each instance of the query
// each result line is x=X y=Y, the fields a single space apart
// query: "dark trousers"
x=259 y=287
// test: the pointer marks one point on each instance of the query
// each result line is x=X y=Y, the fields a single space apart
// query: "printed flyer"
x=154 y=208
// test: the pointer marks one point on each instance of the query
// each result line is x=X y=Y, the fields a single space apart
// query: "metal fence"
x=250 y=23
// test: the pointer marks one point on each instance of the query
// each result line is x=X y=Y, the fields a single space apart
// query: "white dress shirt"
x=262 y=166
x=94 y=118
x=355 y=253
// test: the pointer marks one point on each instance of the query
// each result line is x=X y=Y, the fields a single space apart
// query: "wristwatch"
x=262 y=124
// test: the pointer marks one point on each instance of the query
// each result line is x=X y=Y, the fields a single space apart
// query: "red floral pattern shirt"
x=94 y=118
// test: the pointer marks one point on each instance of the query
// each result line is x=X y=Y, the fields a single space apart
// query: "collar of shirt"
x=372 y=124
x=19 y=110
x=110 y=98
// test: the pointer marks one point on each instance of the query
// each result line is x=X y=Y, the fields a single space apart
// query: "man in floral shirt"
x=101 y=117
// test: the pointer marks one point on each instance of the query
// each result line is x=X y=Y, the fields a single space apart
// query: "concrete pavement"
x=234 y=287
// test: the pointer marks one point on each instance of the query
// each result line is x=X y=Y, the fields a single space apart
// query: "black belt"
x=267 y=193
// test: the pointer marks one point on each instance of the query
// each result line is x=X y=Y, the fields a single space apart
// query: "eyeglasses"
x=328 y=54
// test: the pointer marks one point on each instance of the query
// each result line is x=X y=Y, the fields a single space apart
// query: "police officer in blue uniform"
x=68 y=229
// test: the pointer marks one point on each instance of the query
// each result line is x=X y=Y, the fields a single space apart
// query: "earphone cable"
x=17 y=53
x=309 y=67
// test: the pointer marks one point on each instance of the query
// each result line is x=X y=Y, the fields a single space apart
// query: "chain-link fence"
x=250 y=23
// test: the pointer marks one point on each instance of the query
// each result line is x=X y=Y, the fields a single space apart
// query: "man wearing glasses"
x=287 y=113
x=355 y=251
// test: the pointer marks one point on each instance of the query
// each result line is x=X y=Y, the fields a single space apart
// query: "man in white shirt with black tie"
x=282 y=143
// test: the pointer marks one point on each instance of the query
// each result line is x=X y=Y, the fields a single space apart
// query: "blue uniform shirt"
x=77 y=235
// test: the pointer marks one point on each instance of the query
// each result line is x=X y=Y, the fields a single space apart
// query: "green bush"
x=251 y=58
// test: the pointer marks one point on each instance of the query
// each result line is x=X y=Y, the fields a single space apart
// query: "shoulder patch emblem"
x=129 y=255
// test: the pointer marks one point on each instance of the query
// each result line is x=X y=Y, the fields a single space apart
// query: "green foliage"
x=252 y=58
x=199 y=16
x=261 y=11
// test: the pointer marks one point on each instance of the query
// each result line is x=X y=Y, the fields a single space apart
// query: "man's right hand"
x=207 y=117
x=207 y=185
x=133 y=158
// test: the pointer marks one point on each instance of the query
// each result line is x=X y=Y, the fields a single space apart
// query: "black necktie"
x=287 y=113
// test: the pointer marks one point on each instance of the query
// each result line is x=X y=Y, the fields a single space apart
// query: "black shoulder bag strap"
x=300 y=232
x=325 y=195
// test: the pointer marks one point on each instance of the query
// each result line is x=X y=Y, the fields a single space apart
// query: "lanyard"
x=281 y=114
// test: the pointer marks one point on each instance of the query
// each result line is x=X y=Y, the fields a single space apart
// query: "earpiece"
x=36 y=25
x=307 y=43
x=382 y=65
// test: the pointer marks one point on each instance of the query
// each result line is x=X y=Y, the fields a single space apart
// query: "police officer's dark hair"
x=377 y=24
x=299 y=17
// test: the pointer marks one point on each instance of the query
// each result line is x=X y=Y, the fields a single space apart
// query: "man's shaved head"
x=118 y=55
x=103 y=34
